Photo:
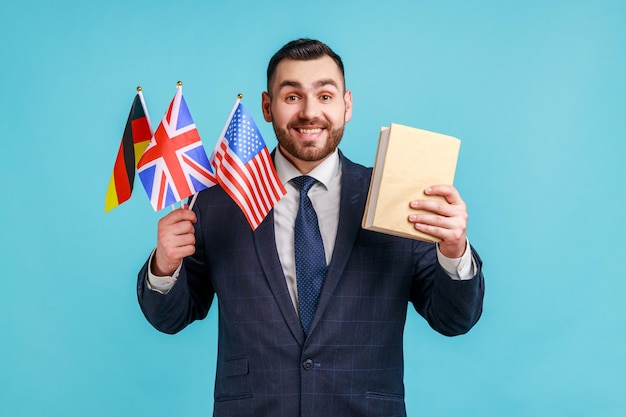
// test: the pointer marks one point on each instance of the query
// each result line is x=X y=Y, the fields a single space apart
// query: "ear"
x=265 y=105
x=347 y=98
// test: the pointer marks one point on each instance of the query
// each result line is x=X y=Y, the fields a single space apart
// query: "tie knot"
x=304 y=183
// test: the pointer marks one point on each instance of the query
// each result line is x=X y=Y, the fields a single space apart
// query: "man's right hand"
x=175 y=240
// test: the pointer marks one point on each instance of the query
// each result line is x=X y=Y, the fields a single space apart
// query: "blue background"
x=536 y=91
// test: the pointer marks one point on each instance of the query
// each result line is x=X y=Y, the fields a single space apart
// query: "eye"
x=326 y=97
x=291 y=98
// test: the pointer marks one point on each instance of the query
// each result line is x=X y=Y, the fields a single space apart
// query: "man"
x=277 y=355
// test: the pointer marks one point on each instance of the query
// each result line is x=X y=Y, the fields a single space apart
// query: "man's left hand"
x=446 y=220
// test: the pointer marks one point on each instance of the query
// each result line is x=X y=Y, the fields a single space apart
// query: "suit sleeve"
x=188 y=300
x=451 y=307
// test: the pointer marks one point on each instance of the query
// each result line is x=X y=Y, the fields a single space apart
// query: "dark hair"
x=303 y=50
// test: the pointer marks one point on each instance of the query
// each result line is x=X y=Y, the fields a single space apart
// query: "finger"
x=173 y=229
x=180 y=240
x=181 y=228
x=167 y=260
x=171 y=246
x=178 y=215
x=437 y=221
x=450 y=193
x=457 y=224
x=180 y=252
x=439 y=207
x=442 y=208
x=429 y=230
x=450 y=235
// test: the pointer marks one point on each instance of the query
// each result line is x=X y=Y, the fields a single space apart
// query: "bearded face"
x=291 y=141
x=308 y=108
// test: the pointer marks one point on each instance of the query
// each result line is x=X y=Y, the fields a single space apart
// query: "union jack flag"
x=244 y=167
x=175 y=165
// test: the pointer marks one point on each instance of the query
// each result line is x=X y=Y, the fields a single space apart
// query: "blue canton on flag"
x=243 y=136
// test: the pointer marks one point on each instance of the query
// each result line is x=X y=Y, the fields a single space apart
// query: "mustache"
x=309 y=122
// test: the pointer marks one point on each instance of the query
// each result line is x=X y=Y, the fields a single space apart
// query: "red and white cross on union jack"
x=175 y=165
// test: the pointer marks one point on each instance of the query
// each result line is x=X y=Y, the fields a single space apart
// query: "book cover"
x=408 y=161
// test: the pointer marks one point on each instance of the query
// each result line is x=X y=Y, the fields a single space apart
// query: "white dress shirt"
x=325 y=196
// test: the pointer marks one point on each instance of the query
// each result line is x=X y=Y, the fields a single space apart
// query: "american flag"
x=175 y=165
x=244 y=168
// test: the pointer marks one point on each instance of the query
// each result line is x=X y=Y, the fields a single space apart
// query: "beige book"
x=408 y=161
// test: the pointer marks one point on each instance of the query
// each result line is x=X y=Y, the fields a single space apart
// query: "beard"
x=307 y=150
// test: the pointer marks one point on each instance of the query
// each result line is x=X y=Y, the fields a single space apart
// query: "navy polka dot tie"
x=309 y=253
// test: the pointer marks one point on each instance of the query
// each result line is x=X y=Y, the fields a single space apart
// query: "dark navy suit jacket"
x=351 y=363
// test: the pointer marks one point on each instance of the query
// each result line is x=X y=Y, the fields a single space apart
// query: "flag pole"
x=145 y=110
x=230 y=117
x=193 y=201
x=179 y=84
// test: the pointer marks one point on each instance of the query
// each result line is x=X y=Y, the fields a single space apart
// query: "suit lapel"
x=353 y=193
x=265 y=243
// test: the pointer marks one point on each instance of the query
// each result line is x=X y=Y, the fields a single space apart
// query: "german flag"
x=135 y=140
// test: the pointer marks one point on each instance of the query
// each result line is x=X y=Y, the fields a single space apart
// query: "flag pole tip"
x=138 y=88
x=179 y=83
x=239 y=96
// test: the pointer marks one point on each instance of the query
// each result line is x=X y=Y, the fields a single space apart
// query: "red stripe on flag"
x=120 y=176
x=161 y=195
x=236 y=183
x=270 y=176
x=246 y=184
x=277 y=186
x=141 y=130
x=198 y=168
x=259 y=184
x=233 y=187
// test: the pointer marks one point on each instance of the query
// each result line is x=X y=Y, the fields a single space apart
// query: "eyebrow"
x=317 y=84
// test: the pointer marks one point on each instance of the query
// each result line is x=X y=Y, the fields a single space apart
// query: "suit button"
x=307 y=364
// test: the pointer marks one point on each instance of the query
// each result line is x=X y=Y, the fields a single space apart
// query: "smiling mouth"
x=309 y=131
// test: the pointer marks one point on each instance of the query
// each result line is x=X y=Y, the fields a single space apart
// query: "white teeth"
x=309 y=131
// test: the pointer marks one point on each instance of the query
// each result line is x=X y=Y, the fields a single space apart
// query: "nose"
x=310 y=109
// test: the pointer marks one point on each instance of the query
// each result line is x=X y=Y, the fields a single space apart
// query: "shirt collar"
x=323 y=173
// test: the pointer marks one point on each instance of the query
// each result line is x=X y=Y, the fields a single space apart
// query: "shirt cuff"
x=161 y=285
x=459 y=269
